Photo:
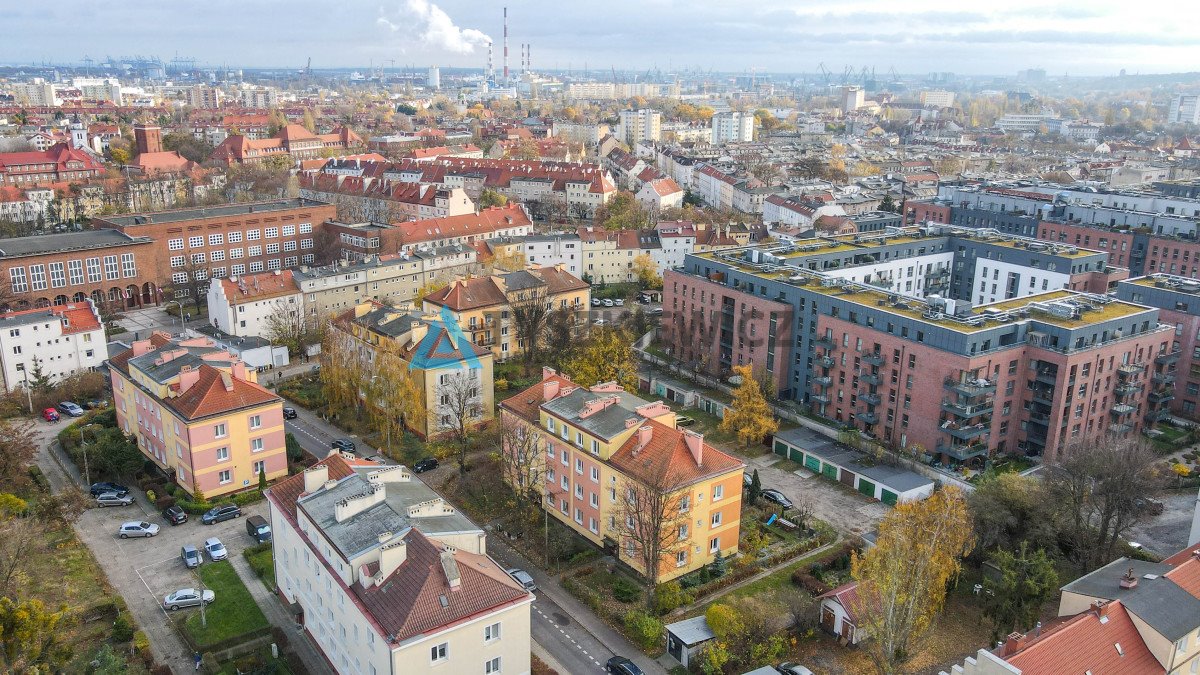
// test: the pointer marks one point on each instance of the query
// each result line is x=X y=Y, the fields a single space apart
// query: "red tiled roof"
x=665 y=187
x=526 y=403
x=1183 y=555
x=1186 y=575
x=846 y=596
x=162 y=162
x=285 y=492
x=667 y=458
x=1084 y=643
x=259 y=286
x=465 y=294
x=486 y=221
x=209 y=395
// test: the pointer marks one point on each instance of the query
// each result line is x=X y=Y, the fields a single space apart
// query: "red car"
x=50 y=415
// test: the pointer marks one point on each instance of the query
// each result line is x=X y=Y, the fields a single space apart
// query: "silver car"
x=216 y=550
x=114 y=499
x=522 y=577
x=187 y=597
x=137 y=529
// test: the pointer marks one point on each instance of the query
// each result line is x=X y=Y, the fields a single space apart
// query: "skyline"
x=670 y=36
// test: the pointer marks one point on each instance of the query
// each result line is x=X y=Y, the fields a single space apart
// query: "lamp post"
x=87 y=474
x=28 y=393
x=180 y=304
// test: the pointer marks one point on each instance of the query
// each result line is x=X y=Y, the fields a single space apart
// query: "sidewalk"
x=277 y=615
x=549 y=586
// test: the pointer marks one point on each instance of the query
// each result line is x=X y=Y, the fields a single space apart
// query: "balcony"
x=1130 y=368
x=1122 y=409
x=822 y=382
x=1044 y=396
x=870 y=378
x=1158 y=415
x=823 y=399
x=1047 y=376
x=868 y=417
x=966 y=411
x=965 y=433
x=1157 y=397
x=1127 y=388
x=1039 y=418
x=963 y=451
x=1036 y=437
x=1119 y=428
x=971 y=388
x=1163 y=378
x=826 y=342
x=826 y=361
x=1167 y=357
x=873 y=358
x=870 y=398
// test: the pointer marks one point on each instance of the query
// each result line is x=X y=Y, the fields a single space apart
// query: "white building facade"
x=58 y=341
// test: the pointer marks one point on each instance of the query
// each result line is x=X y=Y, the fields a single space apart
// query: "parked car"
x=595 y=302
x=608 y=302
x=747 y=479
x=684 y=421
x=95 y=404
x=777 y=497
x=137 y=529
x=522 y=577
x=175 y=515
x=190 y=556
x=216 y=550
x=289 y=413
x=619 y=302
x=221 y=513
x=344 y=444
x=258 y=528
x=620 y=665
x=423 y=465
x=114 y=499
x=50 y=415
x=789 y=668
x=70 y=408
x=187 y=597
x=98 y=489
x=600 y=322
x=654 y=311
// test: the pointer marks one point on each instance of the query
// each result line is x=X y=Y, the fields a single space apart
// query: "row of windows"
x=219 y=239
x=72 y=273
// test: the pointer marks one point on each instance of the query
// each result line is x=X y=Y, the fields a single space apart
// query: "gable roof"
x=845 y=595
x=217 y=392
x=260 y=286
x=666 y=459
x=1088 y=642
x=1156 y=599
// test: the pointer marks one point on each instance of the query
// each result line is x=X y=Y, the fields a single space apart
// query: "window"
x=491 y=632
x=177 y=261
x=235 y=237
x=222 y=454
x=256 y=445
x=218 y=272
x=271 y=232
x=224 y=476
x=491 y=666
x=254 y=251
x=37 y=277
x=716 y=519
x=236 y=252
x=595 y=474
x=681 y=558
x=17 y=276
x=255 y=421
x=195 y=242
x=260 y=467
x=198 y=258
x=272 y=248
x=179 y=278
x=93 y=270
x=175 y=244
x=292 y=261
x=685 y=503
x=216 y=239
x=219 y=430
x=578 y=465
x=718 y=492
x=252 y=235
x=714 y=545
x=305 y=228
x=308 y=259
x=256 y=266
x=217 y=256
x=437 y=653
x=306 y=243
x=237 y=269
x=58 y=275
x=683 y=531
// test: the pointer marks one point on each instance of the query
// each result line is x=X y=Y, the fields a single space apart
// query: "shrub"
x=164 y=503
x=501 y=384
x=247 y=498
x=643 y=629
x=625 y=590
x=39 y=479
x=141 y=646
x=670 y=596
x=122 y=630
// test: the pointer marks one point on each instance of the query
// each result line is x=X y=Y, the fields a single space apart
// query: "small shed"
x=834 y=461
x=837 y=613
x=684 y=638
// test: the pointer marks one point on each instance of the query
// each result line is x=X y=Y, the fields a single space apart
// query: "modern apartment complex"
x=58 y=341
x=1020 y=337
x=386 y=577
x=451 y=373
x=198 y=413
x=732 y=127
x=636 y=126
x=599 y=448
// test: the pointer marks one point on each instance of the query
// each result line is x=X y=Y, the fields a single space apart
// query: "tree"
x=1099 y=485
x=112 y=454
x=652 y=511
x=262 y=477
x=526 y=149
x=489 y=198
x=749 y=416
x=188 y=146
x=749 y=627
x=1009 y=509
x=530 y=308
x=605 y=356
x=561 y=326
x=646 y=272
x=17 y=450
x=309 y=122
x=887 y=204
x=342 y=370
x=18 y=538
x=521 y=458
x=902 y=580
x=1027 y=581
x=755 y=488
x=459 y=408
x=30 y=636
x=286 y=325
x=189 y=281
x=622 y=212
x=394 y=399
x=295 y=452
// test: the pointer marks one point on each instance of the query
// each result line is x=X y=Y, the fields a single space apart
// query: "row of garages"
x=834 y=461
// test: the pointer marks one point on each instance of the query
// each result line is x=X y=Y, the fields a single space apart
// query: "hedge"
x=806 y=578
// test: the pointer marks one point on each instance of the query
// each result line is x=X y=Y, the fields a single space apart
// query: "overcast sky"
x=1078 y=37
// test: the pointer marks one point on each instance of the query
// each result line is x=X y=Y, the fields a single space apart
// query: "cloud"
x=428 y=24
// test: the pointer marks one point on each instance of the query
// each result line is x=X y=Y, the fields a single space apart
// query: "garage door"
x=866 y=487
x=847 y=478
x=812 y=464
x=781 y=449
x=889 y=497
x=830 y=471
x=796 y=455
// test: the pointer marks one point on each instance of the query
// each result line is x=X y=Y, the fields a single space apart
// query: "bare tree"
x=530 y=308
x=654 y=512
x=460 y=407
x=562 y=327
x=521 y=458
x=18 y=538
x=1100 y=486
x=288 y=326
x=191 y=283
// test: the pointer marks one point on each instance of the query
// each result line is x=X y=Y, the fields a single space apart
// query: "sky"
x=1075 y=37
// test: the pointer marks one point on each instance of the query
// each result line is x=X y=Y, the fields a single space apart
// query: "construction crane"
x=824 y=72
x=847 y=74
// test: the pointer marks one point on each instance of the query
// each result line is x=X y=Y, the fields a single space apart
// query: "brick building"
x=293 y=141
x=111 y=268
x=222 y=241
x=59 y=163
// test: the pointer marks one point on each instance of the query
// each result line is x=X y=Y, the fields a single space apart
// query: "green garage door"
x=812 y=464
x=866 y=487
x=830 y=471
x=781 y=448
x=889 y=497
x=796 y=455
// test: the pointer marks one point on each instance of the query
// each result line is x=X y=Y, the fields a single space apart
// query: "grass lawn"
x=768 y=586
x=259 y=661
x=232 y=613
x=263 y=564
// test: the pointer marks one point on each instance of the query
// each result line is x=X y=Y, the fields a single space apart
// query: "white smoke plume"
x=425 y=22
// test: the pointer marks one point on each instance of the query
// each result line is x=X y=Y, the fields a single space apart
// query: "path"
x=278 y=615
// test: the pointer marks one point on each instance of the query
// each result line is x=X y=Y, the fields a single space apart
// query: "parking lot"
x=144 y=570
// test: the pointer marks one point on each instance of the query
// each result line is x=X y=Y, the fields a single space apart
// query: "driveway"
x=847 y=511
x=1167 y=533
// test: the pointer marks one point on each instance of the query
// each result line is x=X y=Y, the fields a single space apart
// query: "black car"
x=289 y=413
x=344 y=444
x=619 y=665
x=221 y=513
x=423 y=465
x=777 y=497
x=175 y=515
x=98 y=489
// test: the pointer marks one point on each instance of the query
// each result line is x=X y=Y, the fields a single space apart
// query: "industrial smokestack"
x=506 y=44
x=491 y=73
x=528 y=58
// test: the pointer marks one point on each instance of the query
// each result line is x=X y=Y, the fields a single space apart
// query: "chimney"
x=695 y=445
x=240 y=370
x=450 y=569
x=548 y=372
x=1129 y=581
x=227 y=381
x=417 y=332
x=355 y=504
x=549 y=389
x=391 y=557
x=644 y=434
x=1014 y=643
x=315 y=477
x=142 y=347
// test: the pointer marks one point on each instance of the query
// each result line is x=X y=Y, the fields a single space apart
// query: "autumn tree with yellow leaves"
x=902 y=580
x=605 y=356
x=749 y=416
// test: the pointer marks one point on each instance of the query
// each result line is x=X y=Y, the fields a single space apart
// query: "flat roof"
x=69 y=241
x=200 y=213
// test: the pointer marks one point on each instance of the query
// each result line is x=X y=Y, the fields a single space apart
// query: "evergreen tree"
x=262 y=477
x=755 y=488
